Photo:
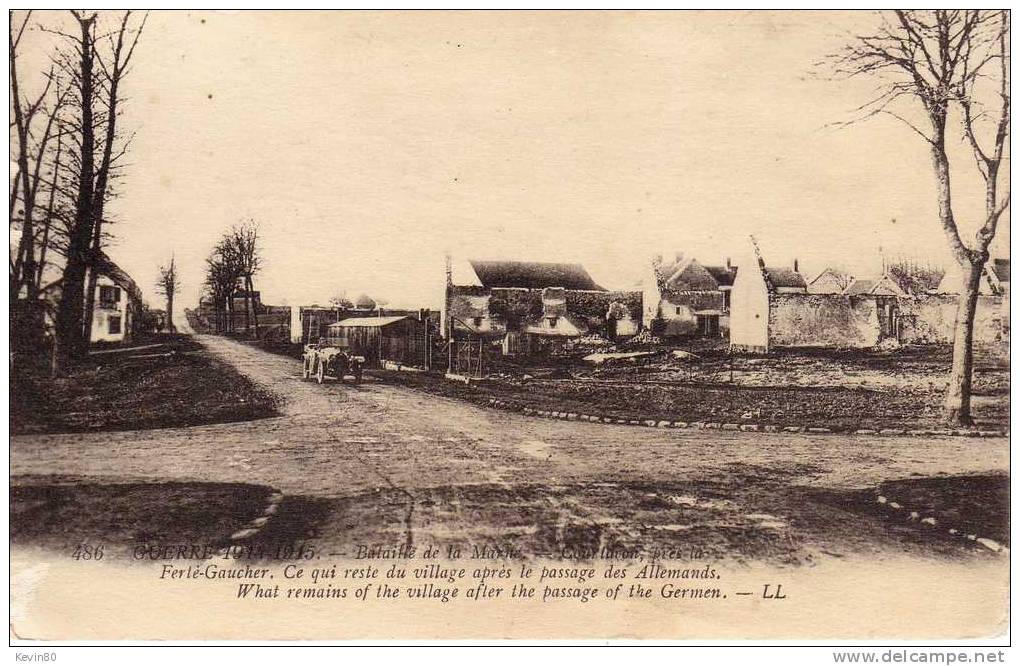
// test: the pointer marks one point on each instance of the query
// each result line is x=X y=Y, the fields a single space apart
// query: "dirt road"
x=377 y=463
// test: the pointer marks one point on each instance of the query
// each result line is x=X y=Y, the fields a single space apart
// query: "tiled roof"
x=369 y=322
x=534 y=275
x=723 y=275
x=781 y=277
x=107 y=267
x=1001 y=269
x=860 y=287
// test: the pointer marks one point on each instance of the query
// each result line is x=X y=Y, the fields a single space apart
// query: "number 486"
x=86 y=552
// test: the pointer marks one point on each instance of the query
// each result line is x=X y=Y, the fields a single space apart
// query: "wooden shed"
x=398 y=339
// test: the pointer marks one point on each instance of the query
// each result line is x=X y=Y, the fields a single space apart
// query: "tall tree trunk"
x=99 y=200
x=170 y=312
x=250 y=286
x=50 y=207
x=958 y=394
x=957 y=403
x=247 y=312
x=67 y=342
x=26 y=251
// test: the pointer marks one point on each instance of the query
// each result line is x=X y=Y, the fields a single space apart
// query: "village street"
x=380 y=464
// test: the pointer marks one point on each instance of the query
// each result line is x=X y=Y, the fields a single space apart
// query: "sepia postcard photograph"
x=510 y=326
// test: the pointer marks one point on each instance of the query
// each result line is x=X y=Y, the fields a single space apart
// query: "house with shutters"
x=117 y=310
x=527 y=306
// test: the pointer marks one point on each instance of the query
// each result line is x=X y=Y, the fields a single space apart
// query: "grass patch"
x=60 y=514
x=166 y=381
x=840 y=409
x=971 y=504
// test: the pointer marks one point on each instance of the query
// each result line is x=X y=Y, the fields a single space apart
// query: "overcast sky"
x=367 y=145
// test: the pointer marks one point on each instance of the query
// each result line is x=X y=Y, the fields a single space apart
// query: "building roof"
x=106 y=266
x=860 y=287
x=724 y=275
x=915 y=280
x=690 y=275
x=834 y=273
x=781 y=277
x=367 y=322
x=533 y=275
x=1001 y=269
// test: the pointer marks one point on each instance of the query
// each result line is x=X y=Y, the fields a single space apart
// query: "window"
x=552 y=322
x=478 y=322
x=678 y=310
x=109 y=296
x=114 y=325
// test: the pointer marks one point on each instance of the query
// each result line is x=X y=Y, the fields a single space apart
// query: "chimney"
x=796 y=266
x=449 y=270
x=729 y=266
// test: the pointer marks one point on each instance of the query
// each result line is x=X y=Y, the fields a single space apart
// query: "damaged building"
x=769 y=311
x=526 y=307
x=694 y=299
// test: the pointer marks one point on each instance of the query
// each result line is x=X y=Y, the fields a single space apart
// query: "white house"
x=117 y=305
x=750 y=299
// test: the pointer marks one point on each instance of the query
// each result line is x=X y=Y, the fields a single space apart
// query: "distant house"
x=830 y=281
x=243 y=310
x=694 y=299
x=893 y=281
x=885 y=285
x=154 y=320
x=526 y=306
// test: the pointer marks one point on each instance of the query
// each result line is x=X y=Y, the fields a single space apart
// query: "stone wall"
x=842 y=321
x=931 y=319
x=824 y=320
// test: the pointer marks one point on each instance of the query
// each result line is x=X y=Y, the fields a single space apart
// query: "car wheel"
x=320 y=374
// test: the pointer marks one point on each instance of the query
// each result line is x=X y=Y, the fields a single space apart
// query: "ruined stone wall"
x=931 y=319
x=823 y=320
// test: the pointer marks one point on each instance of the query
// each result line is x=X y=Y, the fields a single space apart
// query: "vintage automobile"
x=327 y=360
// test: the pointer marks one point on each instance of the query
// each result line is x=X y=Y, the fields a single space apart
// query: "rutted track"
x=451 y=470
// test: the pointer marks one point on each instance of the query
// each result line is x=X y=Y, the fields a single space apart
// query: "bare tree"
x=31 y=143
x=110 y=80
x=222 y=274
x=954 y=64
x=69 y=325
x=342 y=301
x=167 y=285
x=245 y=239
x=95 y=79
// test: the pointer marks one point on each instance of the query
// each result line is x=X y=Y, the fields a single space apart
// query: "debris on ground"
x=600 y=358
